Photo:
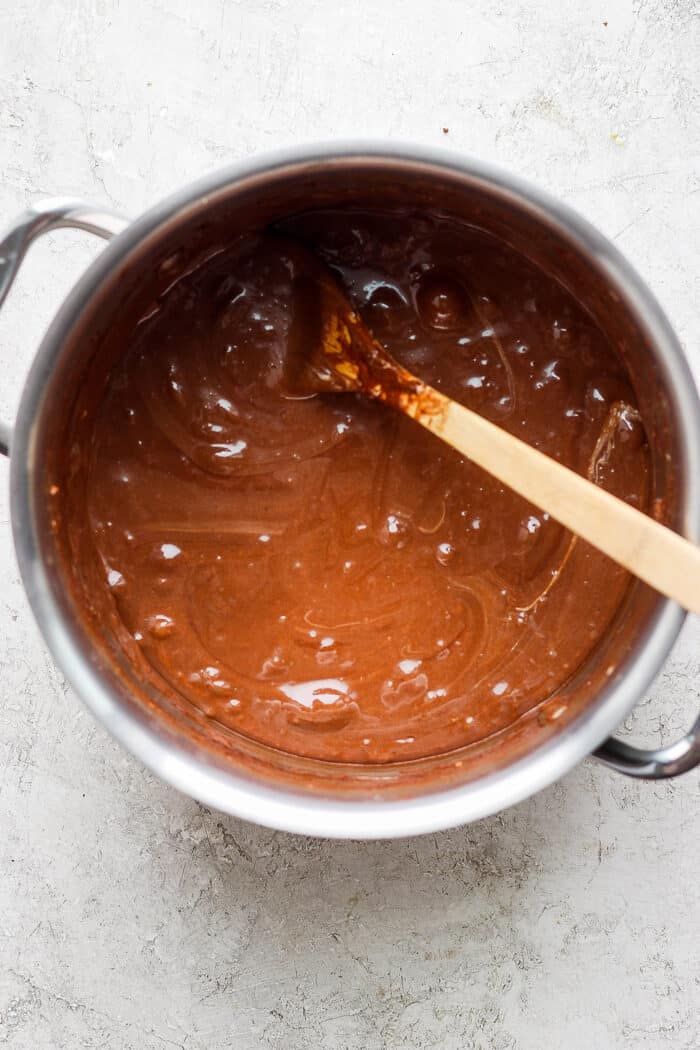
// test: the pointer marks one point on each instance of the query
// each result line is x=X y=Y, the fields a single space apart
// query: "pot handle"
x=655 y=763
x=39 y=219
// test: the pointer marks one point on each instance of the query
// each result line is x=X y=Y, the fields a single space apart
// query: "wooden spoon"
x=345 y=356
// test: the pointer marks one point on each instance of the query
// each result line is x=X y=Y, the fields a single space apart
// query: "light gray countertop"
x=130 y=916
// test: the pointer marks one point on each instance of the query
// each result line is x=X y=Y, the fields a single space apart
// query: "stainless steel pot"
x=251 y=781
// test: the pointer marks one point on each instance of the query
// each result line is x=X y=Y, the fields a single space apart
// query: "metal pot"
x=242 y=777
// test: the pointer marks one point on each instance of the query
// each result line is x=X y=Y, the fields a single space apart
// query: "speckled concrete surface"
x=131 y=917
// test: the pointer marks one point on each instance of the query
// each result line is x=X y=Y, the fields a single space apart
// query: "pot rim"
x=188 y=769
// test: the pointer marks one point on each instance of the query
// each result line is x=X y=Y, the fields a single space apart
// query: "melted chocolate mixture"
x=318 y=572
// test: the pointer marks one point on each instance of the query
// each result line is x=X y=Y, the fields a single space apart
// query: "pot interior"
x=171 y=246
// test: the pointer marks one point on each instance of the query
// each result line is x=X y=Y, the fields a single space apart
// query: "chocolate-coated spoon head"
x=341 y=354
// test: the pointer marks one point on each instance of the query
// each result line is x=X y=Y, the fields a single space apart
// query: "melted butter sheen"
x=320 y=573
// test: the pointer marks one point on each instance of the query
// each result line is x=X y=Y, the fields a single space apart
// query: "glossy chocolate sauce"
x=318 y=572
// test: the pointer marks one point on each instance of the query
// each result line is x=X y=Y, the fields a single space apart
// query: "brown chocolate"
x=316 y=571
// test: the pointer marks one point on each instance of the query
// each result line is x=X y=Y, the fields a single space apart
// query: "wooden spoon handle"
x=651 y=551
